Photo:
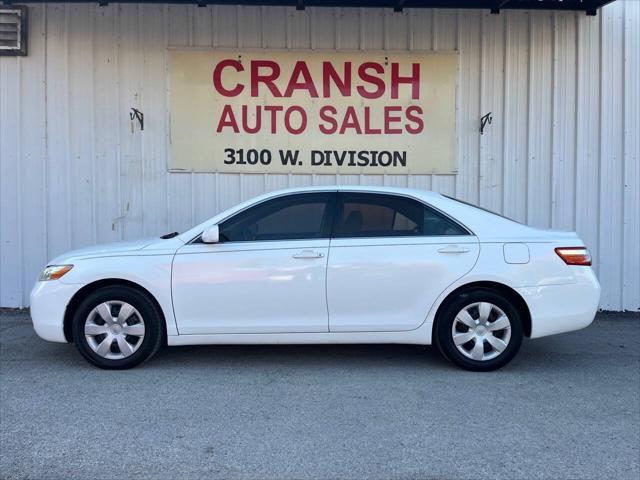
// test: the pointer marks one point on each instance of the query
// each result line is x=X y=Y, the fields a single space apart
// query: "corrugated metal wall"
x=562 y=150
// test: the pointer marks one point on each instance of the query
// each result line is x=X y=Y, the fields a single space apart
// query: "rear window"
x=482 y=208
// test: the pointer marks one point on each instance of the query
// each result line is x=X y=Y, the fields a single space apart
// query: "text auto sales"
x=364 y=82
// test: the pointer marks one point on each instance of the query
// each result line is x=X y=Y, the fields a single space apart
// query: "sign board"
x=302 y=111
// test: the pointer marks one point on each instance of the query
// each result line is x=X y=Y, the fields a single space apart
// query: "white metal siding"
x=562 y=151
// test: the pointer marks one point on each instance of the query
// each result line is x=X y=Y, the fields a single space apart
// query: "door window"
x=374 y=215
x=291 y=217
x=437 y=224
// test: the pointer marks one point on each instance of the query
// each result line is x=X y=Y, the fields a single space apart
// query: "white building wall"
x=562 y=151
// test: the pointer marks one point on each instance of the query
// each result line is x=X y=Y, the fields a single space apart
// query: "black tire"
x=153 y=326
x=443 y=334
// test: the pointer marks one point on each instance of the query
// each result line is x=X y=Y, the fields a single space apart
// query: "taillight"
x=574 y=255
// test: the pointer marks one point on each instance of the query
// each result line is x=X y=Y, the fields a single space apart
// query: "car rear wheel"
x=117 y=327
x=479 y=330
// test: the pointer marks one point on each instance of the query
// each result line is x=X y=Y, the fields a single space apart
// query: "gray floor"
x=567 y=407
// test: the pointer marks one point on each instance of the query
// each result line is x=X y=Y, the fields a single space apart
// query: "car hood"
x=145 y=246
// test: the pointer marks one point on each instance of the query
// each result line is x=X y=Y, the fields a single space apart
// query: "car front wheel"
x=117 y=327
x=479 y=330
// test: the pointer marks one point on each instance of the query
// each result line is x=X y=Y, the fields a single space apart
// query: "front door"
x=267 y=274
x=391 y=257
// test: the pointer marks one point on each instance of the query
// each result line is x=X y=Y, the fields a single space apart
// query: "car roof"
x=356 y=188
x=485 y=225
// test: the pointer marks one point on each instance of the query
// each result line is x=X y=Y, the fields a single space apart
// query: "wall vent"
x=13 y=30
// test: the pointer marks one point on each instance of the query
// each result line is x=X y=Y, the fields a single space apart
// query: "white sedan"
x=324 y=265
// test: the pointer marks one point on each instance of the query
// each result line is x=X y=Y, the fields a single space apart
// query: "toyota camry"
x=324 y=265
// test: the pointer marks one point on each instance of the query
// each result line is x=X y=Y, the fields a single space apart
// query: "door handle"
x=308 y=254
x=453 y=249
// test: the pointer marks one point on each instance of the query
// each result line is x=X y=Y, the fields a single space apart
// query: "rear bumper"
x=563 y=308
x=48 y=304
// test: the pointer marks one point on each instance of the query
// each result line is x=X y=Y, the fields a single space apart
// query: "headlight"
x=54 y=272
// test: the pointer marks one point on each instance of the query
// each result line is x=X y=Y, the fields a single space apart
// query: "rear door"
x=391 y=256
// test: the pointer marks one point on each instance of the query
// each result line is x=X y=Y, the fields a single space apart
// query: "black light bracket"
x=495 y=10
x=484 y=120
x=397 y=8
x=137 y=115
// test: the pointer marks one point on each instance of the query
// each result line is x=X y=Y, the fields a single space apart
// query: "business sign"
x=300 y=111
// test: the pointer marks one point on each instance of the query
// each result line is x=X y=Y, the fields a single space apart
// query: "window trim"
x=340 y=202
x=335 y=198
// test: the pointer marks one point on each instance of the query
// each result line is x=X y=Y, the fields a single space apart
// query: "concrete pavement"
x=567 y=407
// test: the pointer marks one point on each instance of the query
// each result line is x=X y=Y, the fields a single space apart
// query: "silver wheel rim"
x=481 y=331
x=114 y=330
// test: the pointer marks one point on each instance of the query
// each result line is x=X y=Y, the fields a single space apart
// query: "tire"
x=132 y=336
x=486 y=345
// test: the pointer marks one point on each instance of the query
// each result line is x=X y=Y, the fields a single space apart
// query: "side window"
x=291 y=217
x=373 y=215
x=437 y=224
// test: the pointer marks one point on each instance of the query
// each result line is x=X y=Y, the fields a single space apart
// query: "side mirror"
x=211 y=234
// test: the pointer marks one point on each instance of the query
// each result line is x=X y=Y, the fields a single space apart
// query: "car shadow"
x=344 y=355
x=557 y=354
x=543 y=354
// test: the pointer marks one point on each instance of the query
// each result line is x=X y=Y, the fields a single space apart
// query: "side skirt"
x=419 y=336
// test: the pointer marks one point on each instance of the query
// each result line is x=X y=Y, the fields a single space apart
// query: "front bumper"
x=563 y=308
x=48 y=304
